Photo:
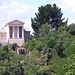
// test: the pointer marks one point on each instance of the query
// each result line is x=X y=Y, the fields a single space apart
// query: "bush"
x=25 y=45
x=32 y=45
x=70 y=49
x=13 y=46
x=31 y=69
x=45 y=70
x=71 y=29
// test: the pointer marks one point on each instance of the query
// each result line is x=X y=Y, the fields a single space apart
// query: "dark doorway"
x=20 y=32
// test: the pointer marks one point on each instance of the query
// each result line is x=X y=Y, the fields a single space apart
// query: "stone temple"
x=14 y=32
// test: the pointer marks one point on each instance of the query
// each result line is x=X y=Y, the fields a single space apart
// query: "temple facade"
x=14 y=32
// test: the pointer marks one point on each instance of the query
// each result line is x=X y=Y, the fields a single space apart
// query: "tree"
x=45 y=28
x=50 y=14
x=47 y=53
x=71 y=29
x=60 y=44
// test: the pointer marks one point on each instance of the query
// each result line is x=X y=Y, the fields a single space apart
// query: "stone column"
x=17 y=31
x=9 y=32
x=13 y=31
x=22 y=32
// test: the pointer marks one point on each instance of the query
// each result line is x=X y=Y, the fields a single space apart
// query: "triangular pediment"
x=16 y=22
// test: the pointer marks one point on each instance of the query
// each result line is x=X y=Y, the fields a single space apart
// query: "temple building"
x=14 y=32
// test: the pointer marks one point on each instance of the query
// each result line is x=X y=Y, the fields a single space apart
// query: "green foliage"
x=53 y=53
x=25 y=45
x=74 y=42
x=60 y=41
x=60 y=64
x=47 y=53
x=49 y=40
x=71 y=29
x=8 y=66
x=45 y=70
x=32 y=44
x=70 y=49
x=13 y=46
x=57 y=46
x=45 y=29
x=4 y=53
x=31 y=69
x=50 y=14
x=65 y=66
x=70 y=68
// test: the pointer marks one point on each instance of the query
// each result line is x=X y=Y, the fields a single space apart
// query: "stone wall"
x=26 y=36
x=19 y=41
x=2 y=37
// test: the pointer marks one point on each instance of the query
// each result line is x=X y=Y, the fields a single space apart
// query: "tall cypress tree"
x=50 y=14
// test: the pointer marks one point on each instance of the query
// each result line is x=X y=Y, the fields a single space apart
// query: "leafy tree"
x=70 y=68
x=31 y=69
x=25 y=45
x=71 y=29
x=32 y=44
x=4 y=53
x=47 y=53
x=49 y=40
x=60 y=43
x=50 y=14
x=9 y=68
x=46 y=70
x=9 y=65
x=45 y=29
x=74 y=42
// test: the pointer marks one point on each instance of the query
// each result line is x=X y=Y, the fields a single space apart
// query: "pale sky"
x=25 y=9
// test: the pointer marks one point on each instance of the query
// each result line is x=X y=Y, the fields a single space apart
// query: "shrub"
x=46 y=70
x=25 y=45
x=13 y=46
x=32 y=44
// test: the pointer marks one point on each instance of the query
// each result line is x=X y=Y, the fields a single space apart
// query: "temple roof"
x=13 y=21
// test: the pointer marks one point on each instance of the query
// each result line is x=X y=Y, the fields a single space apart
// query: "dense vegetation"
x=58 y=49
x=50 y=14
x=52 y=50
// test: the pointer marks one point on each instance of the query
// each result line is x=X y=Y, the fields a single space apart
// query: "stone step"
x=4 y=43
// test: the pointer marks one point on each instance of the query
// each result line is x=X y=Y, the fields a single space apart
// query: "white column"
x=22 y=32
x=17 y=31
x=13 y=31
x=9 y=32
